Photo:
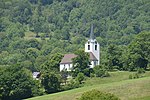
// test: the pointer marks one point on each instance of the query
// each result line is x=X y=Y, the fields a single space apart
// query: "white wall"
x=93 y=65
x=92 y=49
x=66 y=66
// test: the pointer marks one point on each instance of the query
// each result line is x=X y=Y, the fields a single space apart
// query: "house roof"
x=68 y=58
x=92 y=57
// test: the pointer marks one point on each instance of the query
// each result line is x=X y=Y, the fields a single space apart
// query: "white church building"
x=91 y=46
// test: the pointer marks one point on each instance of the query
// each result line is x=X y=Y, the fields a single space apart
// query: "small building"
x=66 y=62
x=36 y=75
x=91 y=46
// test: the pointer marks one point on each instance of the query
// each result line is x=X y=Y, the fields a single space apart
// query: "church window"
x=88 y=47
x=95 y=63
x=95 y=47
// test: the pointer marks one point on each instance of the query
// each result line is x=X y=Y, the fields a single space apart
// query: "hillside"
x=46 y=27
x=114 y=20
x=125 y=89
x=36 y=34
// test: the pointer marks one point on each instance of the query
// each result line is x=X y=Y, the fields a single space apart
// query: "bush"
x=97 y=95
x=71 y=85
x=80 y=77
x=100 y=71
x=107 y=74
x=37 y=89
x=130 y=76
x=140 y=71
x=92 y=75
x=134 y=76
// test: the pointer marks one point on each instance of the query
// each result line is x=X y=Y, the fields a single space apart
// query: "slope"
x=125 y=89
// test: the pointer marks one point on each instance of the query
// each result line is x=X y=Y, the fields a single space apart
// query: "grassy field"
x=118 y=84
x=32 y=35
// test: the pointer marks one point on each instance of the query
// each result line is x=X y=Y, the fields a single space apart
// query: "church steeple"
x=92 y=33
x=93 y=47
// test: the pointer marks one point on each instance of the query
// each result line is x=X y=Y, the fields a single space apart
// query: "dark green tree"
x=139 y=51
x=81 y=63
x=15 y=83
x=50 y=82
x=114 y=54
x=52 y=63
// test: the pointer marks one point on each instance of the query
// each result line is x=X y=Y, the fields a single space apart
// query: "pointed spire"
x=92 y=34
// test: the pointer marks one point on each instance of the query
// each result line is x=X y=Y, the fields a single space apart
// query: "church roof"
x=92 y=57
x=67 y=59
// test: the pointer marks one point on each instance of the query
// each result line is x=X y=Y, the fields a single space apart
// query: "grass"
x=31 y=35
x=118 y=84
x=144 y=98
x=114 y=77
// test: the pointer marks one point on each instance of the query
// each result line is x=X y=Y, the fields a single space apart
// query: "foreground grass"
x=143 y=98
x=125 y=89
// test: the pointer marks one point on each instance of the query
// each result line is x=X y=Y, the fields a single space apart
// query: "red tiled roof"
x=68 y=58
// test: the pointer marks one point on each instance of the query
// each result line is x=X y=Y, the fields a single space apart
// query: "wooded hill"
x=34 y=35
x=66 y=23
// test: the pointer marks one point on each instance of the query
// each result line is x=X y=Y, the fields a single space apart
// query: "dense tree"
x=81 y=63
x=139 y=51
x=15 y=30
x=114 y=54
x=50 y=82
x=15 y=83
x=52 y=63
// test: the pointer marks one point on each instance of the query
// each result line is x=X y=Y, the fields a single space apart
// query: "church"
x=91 y=46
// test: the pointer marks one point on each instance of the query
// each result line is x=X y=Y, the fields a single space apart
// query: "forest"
x=35 y=34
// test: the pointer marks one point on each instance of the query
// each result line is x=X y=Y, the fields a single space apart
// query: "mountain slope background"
x=45 y=27
x=35 y=34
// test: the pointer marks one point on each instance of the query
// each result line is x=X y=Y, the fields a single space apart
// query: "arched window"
x=88 y=47
x=96 y=47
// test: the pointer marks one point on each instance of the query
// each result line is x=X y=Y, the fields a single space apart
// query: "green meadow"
x=118 y=84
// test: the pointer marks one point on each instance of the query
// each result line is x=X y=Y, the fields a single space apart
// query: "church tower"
x=93 y=47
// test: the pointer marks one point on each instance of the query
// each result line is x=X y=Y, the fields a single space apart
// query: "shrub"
x=106 y=74
x=136 y=76
x=97 y=95
x=92 y=75
x=71 y=85
x=100 y=71
x=140 y=71
x=130 y=76
x=80 y=77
